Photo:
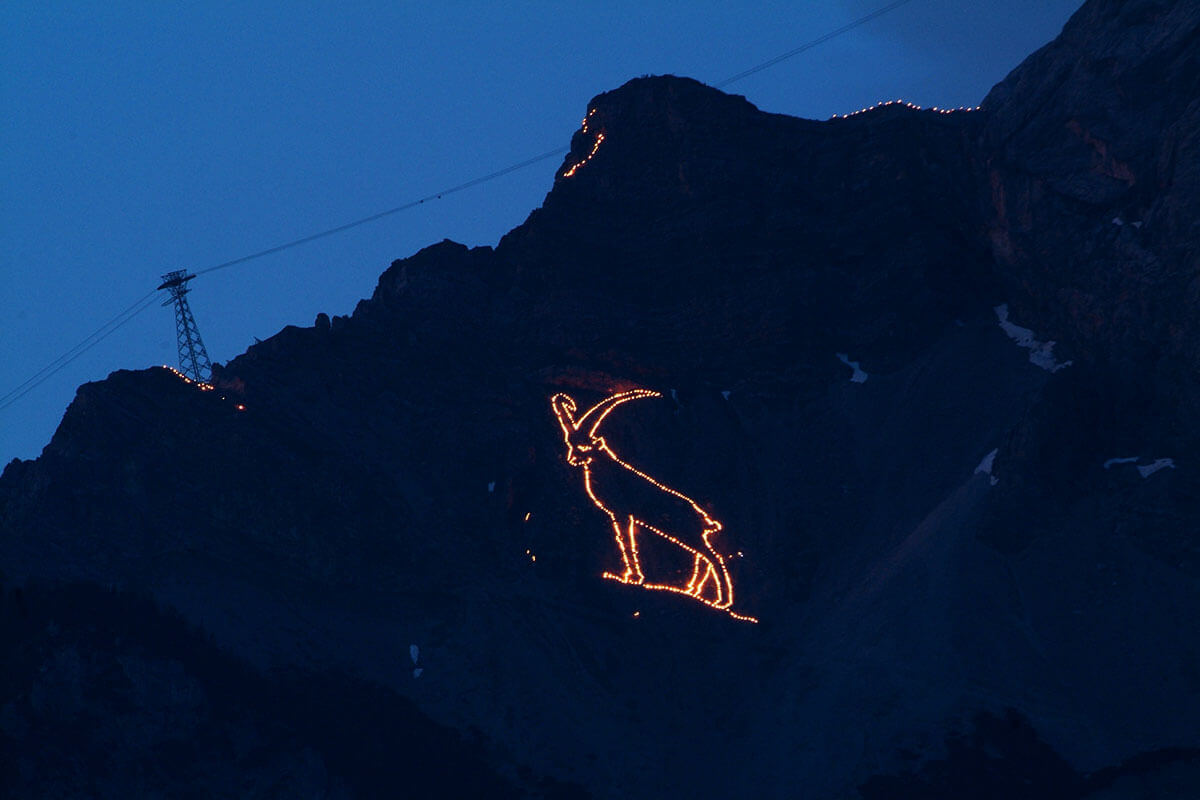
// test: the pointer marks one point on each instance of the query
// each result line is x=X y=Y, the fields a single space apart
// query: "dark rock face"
x=940 y=544
x=1001 y=757
x=105 y=696
x=1091 y=148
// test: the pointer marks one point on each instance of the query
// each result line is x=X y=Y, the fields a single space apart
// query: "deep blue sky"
x=137 y=138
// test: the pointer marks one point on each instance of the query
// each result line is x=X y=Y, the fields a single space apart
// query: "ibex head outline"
x=688 y=525
x=581 y=435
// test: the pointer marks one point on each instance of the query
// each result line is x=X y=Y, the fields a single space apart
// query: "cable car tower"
x=193 y=358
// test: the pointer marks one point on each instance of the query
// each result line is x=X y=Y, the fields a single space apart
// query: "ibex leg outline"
x=690 y=526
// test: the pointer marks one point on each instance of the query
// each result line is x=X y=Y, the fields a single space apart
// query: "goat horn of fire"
x=598 y=412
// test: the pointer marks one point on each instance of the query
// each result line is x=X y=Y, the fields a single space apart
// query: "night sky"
x=138 y=138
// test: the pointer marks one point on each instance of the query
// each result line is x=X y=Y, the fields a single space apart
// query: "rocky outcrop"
x=1091 y=151
x=1090 y=156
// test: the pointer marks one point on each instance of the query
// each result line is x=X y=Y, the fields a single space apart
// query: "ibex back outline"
x=691 y=526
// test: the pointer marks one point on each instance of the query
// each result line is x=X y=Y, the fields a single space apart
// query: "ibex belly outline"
x=687 y=526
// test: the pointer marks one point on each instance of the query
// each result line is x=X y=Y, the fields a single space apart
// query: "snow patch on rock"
x=985 y=467
x=1145 y=470
x=1040 y=353
x=1114 y=461
x=1161 y=463
x=414 y=653
x=859 y=376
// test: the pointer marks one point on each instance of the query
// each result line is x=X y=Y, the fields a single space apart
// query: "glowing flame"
x=596 y=146
x=913 y=106
x=204 y=387
x=587 y=158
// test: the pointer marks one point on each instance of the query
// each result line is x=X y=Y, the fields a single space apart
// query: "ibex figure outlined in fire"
x=631 y=499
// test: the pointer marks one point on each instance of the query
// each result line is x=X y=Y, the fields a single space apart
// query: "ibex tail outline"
x=588 y=450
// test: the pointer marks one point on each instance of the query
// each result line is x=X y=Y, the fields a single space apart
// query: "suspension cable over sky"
x=93 y=339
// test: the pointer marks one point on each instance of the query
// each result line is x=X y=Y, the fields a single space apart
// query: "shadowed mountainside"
x=110 y=697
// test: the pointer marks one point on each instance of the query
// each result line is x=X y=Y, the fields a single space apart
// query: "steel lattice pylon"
x=193 y=358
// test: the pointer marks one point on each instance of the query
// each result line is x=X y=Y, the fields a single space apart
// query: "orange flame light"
x=690 y=526
x=595 y=147
x=204 y=387
x=906 y=104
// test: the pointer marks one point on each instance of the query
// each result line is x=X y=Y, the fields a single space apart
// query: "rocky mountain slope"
x=972 y=553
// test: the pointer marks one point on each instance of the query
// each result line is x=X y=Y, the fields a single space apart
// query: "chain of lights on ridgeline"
x=588 y=450
x=595 y=147
x=882 y=104
x=204 y=387
x=906 y=104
